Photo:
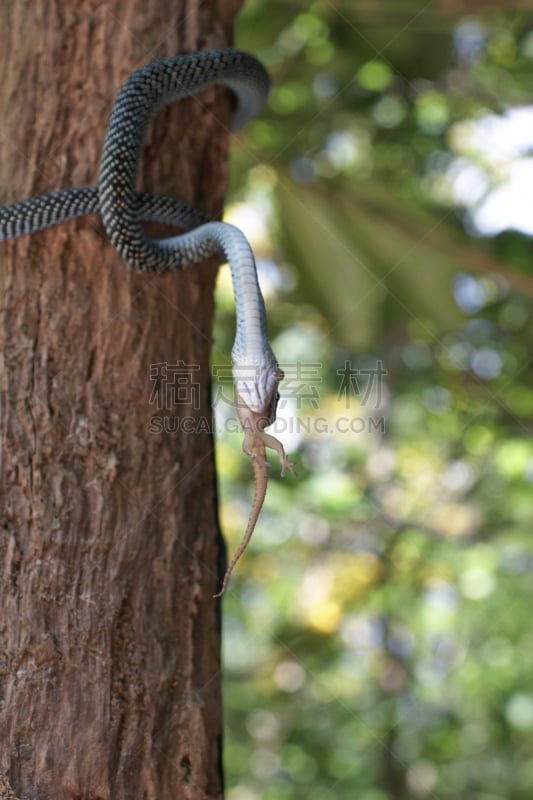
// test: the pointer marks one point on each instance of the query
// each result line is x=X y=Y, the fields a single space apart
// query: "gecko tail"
x=259 y=497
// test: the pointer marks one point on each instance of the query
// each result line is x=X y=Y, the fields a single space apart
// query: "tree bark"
x=109 y=639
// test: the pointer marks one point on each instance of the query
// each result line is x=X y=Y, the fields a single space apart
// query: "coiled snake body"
x=255 y=370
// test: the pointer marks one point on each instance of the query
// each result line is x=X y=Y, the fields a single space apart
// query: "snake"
x=256 y=372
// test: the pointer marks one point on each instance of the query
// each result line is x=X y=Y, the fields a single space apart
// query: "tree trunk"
x=109 y=640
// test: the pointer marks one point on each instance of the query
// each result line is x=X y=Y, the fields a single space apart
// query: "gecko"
x=254 y=446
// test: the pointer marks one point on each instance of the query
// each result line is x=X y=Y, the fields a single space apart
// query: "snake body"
x=255 y=369
x=122 y=208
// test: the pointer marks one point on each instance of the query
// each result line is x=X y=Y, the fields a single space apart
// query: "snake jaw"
x=256 y=382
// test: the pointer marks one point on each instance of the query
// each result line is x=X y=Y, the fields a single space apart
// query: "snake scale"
x=256 y=373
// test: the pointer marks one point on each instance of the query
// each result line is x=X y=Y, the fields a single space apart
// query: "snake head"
x=256 y=384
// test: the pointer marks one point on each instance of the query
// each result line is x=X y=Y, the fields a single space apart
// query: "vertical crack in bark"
x=33 y=393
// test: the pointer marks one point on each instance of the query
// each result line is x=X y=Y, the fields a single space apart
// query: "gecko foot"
x=285 y=464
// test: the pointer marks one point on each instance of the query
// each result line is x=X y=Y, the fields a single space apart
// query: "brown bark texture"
x=109 y=640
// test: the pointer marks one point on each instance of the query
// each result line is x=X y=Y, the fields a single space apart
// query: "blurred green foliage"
x=377 y=633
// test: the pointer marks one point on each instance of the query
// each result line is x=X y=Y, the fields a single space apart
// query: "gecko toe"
x=288 y=465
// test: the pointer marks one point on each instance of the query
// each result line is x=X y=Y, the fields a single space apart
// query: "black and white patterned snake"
x=255 y=370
